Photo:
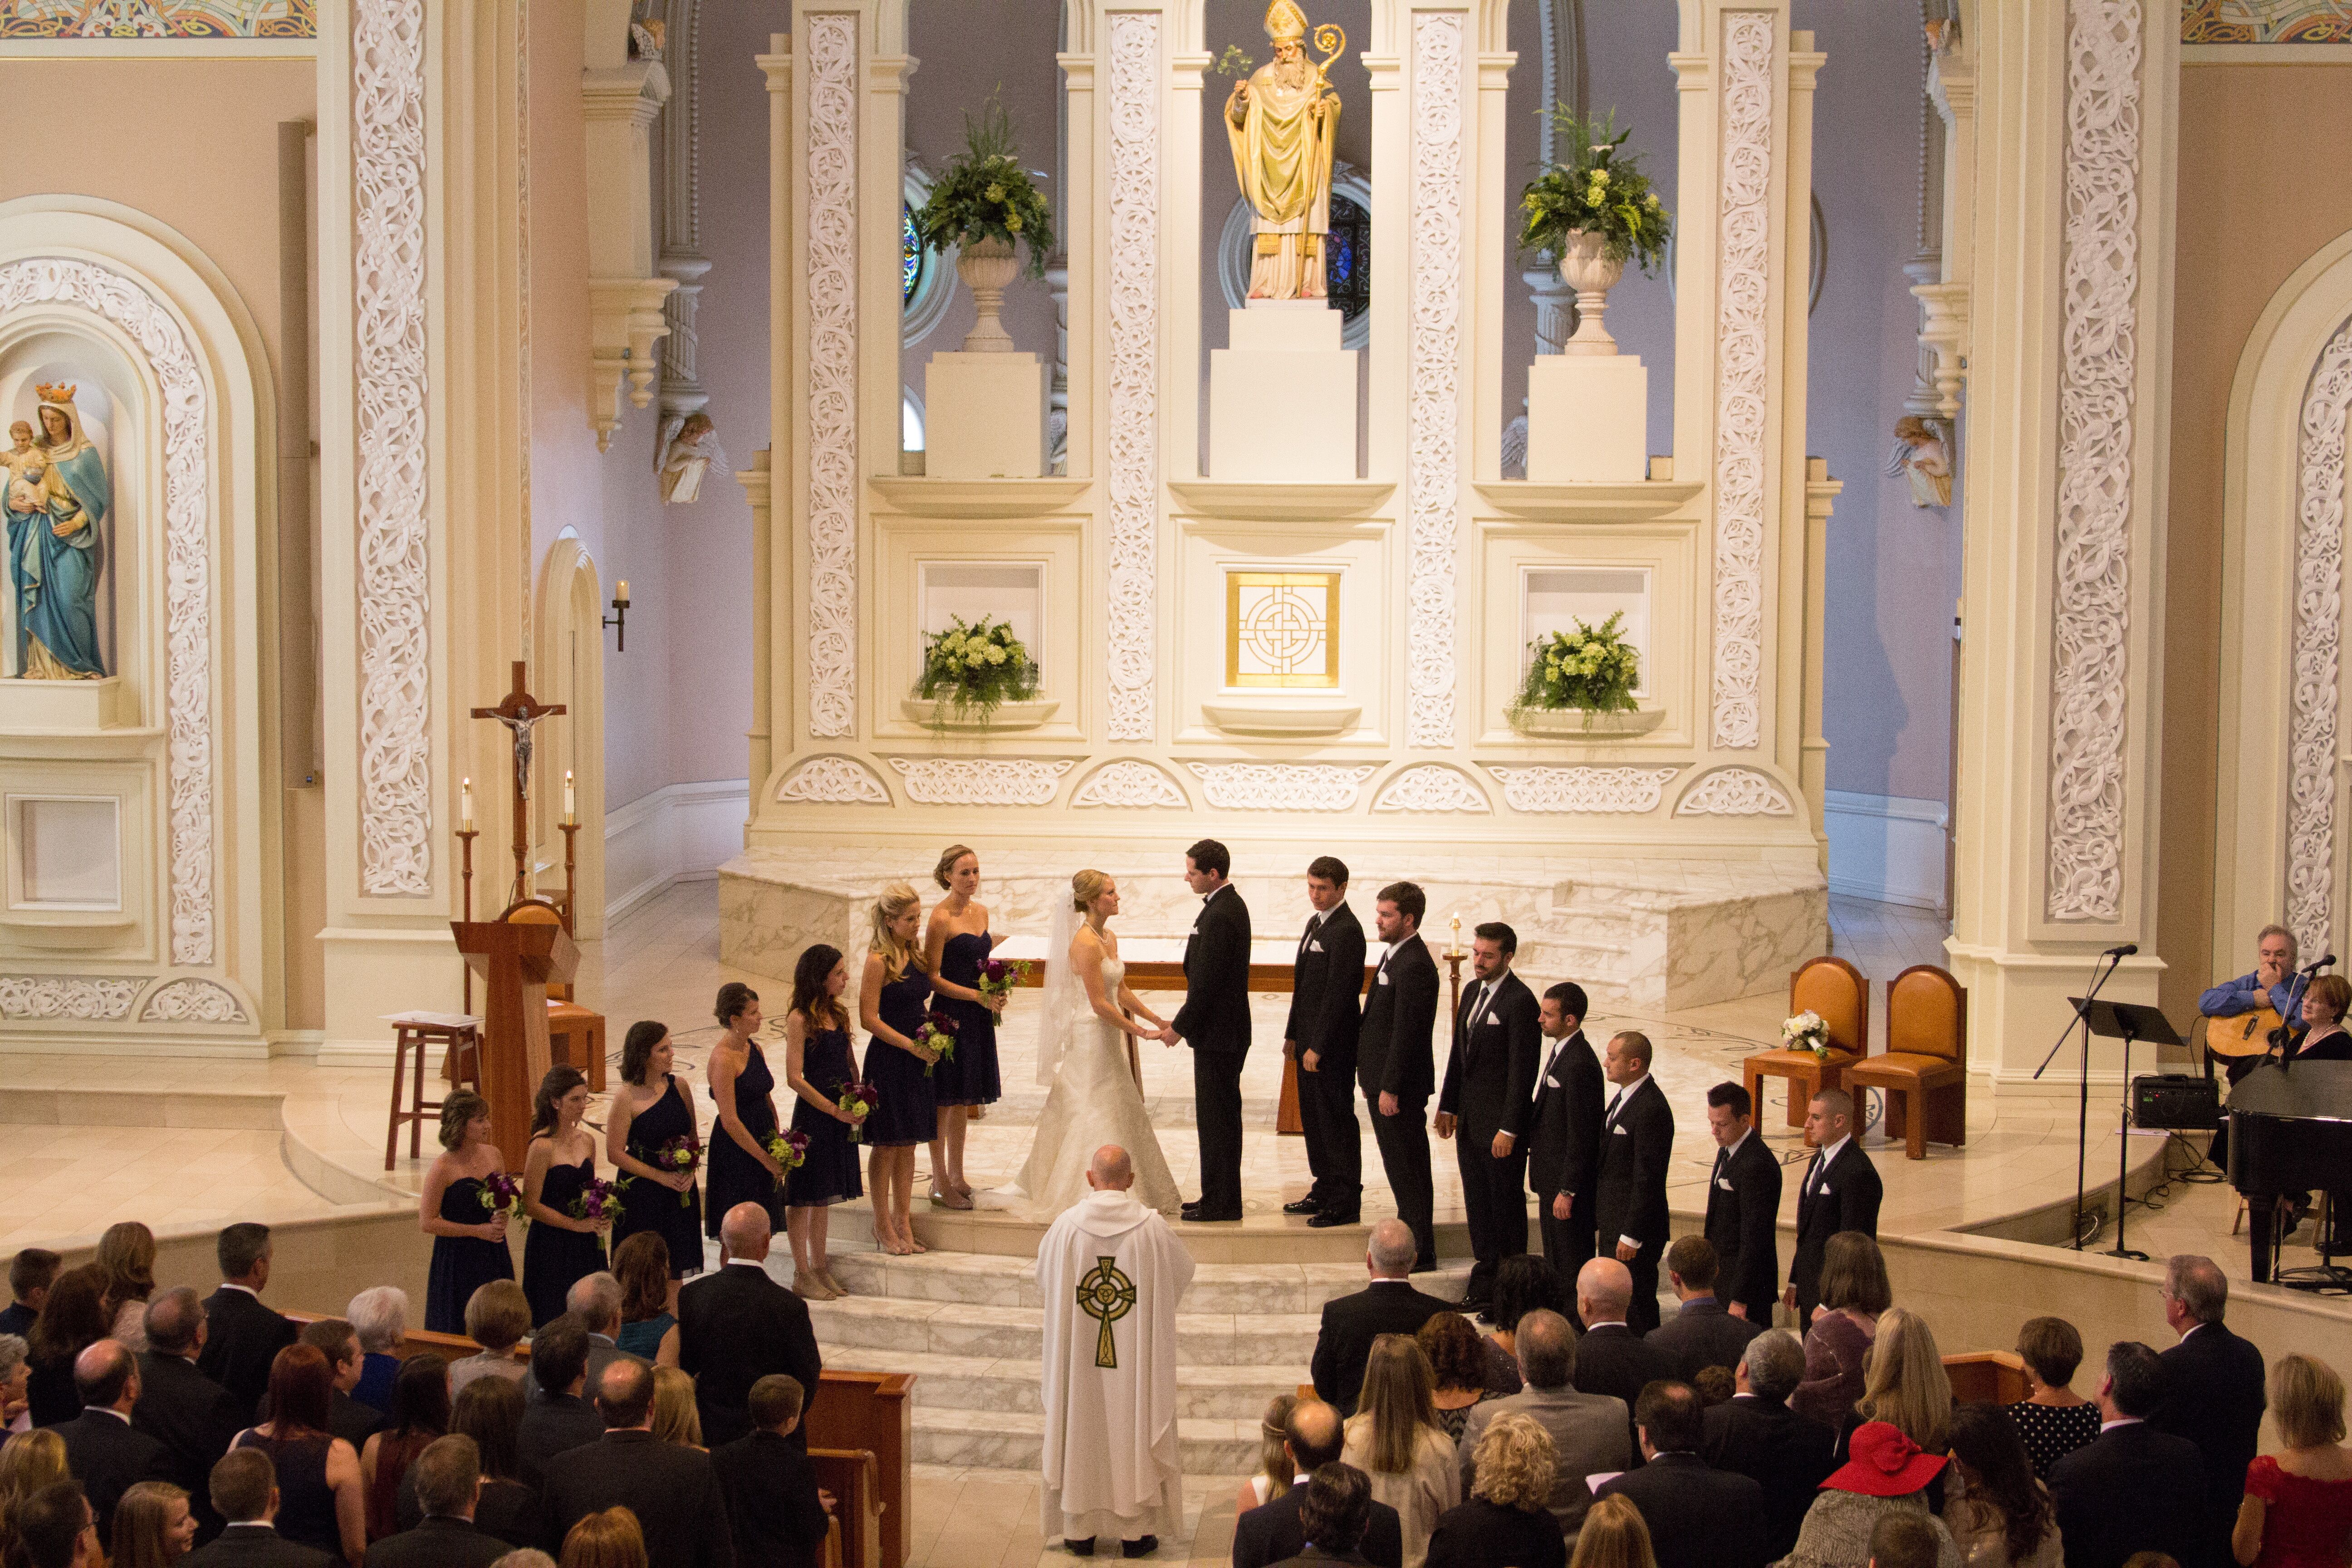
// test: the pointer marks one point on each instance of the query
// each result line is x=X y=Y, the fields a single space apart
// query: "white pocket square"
x=1314 y=947
x=1618 y=1129
x=1723 y=1181
x=1822 y=1191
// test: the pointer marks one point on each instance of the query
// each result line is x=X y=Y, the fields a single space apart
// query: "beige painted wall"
x=194 y=145
x=2252 y=211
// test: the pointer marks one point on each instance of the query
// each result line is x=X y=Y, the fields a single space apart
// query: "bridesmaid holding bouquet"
x=893 y=1003
x=742 y=1089
x=458 y=1210
x=817 y=1065
x=563 y=1247
x=650 y=1137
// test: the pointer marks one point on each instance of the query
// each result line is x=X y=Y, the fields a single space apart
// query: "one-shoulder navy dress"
x=649 y=1205
x=735 y=1176
x=461 y=1264
x=829 y=1175
x=908 y=1109
x=970 y=1077
x=553 y=1260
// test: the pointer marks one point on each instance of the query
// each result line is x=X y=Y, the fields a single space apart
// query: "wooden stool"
x=461 y=1046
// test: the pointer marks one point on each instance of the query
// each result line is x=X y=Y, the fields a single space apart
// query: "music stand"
x=2124 y=1021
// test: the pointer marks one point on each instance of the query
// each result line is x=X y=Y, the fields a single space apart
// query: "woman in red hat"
x=1887 y=1474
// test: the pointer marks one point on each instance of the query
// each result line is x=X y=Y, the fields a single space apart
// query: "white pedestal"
x=71 y=705
x=1588 y=419
x=1282 y=399
x=984 y=416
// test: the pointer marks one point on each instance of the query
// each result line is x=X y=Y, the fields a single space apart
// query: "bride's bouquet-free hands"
x=998 y=976
x=938 y=1034
x=789 y=1149
x=858 y=1102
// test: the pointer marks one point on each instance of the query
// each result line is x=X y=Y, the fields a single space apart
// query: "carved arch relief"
x=2316 y=661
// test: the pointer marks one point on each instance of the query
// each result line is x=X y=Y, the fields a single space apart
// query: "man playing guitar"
x=2244 y=1013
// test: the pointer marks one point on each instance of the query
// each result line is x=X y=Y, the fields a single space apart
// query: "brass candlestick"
x=465 y=837
x=570 y=828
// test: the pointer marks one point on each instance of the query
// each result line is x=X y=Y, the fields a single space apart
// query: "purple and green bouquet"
x=502 y=1195
x=857 y=1101
x=938 y=1034
x=599 y=1202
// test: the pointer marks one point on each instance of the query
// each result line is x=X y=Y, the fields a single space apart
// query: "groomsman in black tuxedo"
x=1564 y=1134
x=1215 y=1022
x=1490 y=1076
x=1637 y=1137
x=1326 y=979
x=1841 y=1192
x=1396 y=1063
x=1743 y=1207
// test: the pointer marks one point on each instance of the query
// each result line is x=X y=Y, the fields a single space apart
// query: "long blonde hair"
x=676 y=1419
x=1904 y=1381
x=127 y=1253
x=896 y=956
x=30 y=1461
x=140 y=1521
x=1395 y=1402
x=1273 y=1432
x=1614 y=1536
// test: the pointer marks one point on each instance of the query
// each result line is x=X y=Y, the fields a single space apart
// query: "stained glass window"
x=911 y=258
x=1347 y=258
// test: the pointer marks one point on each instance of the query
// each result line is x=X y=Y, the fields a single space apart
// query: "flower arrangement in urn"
x=981 y=205
x=1591 y=668
x=970 y=671
x=1808 y=1031
x=1594 y=210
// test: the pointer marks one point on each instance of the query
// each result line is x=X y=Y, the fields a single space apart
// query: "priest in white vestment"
x=1111 y=1271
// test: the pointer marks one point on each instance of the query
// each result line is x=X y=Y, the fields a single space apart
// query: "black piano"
x=2290 y=1131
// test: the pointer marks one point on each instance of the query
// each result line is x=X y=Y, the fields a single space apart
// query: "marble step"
x=981 y=1280
x=1009 y=1385
x=1015 y=1441
x=953 y=1328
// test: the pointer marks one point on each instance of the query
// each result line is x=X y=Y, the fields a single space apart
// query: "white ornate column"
x=2056 y=815
x=682 y=260
x=621 y=92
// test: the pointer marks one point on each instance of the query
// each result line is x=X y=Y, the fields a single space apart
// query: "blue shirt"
x=2245 y=994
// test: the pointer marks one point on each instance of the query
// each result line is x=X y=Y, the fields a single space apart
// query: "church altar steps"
x=1015 y=1441
x=952 y=1328
x=1011 y=1385
x=1005 y=1281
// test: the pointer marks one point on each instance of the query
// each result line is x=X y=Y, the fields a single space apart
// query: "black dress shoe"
x=1425 y=1265
x=1304 y=1205
x=1143 y=1548
x=1325 y=1221
x=1191 y=1210
x=1215 y=1216
x=1080 y=1548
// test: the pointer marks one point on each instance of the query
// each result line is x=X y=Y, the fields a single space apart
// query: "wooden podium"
x=517 y=962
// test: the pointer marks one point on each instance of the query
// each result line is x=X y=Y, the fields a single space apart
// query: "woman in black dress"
x=955 y=945
x=560 y=1250
x=817 y=1062
x=322 y=1503
x=891 y=1003
x=652 y=1107
x=469 y=1242
x=743 y=1089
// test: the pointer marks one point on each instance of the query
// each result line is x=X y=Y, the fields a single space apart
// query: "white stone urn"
x=1586 y=267
x=987 y=268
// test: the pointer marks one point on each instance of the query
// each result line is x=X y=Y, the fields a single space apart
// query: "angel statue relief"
x=57 y=495
x=1282 y=123
x=690 y=451
x=1920 y=456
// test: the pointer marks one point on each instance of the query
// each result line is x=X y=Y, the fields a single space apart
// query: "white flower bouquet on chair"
x=1808 y=1031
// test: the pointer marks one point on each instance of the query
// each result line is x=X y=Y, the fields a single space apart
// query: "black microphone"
x=2123 y=951
x=2322 y=963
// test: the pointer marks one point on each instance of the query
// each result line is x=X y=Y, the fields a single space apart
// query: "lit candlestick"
x=465 y=809
x=622 y=592
x=567 y=803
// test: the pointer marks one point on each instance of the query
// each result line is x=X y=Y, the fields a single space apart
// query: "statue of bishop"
x=1282 y=121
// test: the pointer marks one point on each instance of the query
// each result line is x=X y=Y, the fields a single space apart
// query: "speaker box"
x=2177 y=1101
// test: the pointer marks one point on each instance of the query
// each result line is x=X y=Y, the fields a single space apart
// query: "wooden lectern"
x=517 y=961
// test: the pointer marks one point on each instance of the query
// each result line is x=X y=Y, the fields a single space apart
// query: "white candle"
x=622 y=593
x=466 y=810
x=567 y=794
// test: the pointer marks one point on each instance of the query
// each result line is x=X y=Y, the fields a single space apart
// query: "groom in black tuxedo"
x=1490 y=1077
x=1396 y=1063
x=1328 y=979
x=1215 y=1022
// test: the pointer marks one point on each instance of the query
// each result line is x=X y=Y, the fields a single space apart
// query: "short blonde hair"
x=1515 y=1464
x=498 y=1315
x=1614 y=1536
x=896 y=901
x=675 y=1420
x=608 y=1540
x=948 y=859
x=1086 y=887
x=2306 y=1402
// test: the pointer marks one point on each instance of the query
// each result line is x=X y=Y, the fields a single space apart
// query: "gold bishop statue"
x=1282 y=121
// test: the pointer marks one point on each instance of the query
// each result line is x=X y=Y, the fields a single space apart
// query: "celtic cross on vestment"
x=1105 y=1295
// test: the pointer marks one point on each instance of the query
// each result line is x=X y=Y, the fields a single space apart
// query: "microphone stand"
x=2083 y=1115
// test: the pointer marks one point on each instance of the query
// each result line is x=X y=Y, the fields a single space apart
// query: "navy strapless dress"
x=970 y=1077
x=553 y=1260
x=648 y=1205
x=461 y=1264
x=735 y=1176
x=907 y=1107
x=830 y=1173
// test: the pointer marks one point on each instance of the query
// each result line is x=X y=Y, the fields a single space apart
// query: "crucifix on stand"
x=518 y=711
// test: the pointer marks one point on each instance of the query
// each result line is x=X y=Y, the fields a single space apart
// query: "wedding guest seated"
x=30 y=1274
x=2213 y=1384
x=498 y=1316
x=2297 y=1511
x=1389 y=1304
x=1272 y=1532
x=608 y=1540
x=1614 y=1537
x=126 y=1256
x=448 y=1484
x=154 y=1527
x=30 y=1461
x=16 y=1383
x=380 y=1317
x=1507 y=1516
x=242 y=1337
x=555 y=1419
x=489 y=1412
x=347 y=1419
x=53 y=1529
x=1394 y=1438
x=1703 y=1334
x=1698 y=1517
x=1273 y=1477
x=1904 y=1540
x=1590 y=1433
x=73 y=1319
x=776 y=1514
x=180 y=1408
x=648 y=1328
x=109 y=1455
x=1334 y=1510
x=419 y=1418
x=2132 y=1488
x=2000 y=1516
x=1886 y=1475
x=322 y=1503
x=2052 y=1420
x=1755 y=1435
x=672 y=1490
x=1714 y=1384
x=1523 y=1282
x=1905 y=1383
x=243 y=1488
x=677 y=1418
x=1854 y=1292
x=736 y=1325
x=595 y=1299
x=1457 y=1357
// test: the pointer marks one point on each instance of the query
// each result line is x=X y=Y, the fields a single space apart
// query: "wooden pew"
x=854 y=1477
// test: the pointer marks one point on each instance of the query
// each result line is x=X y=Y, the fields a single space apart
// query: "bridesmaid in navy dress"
x=560 y=1250
x=469 y=1243
x=955 y=945
x=743 y=1089
x=891 y=1003
x=817 y=1062
x=654 y=1106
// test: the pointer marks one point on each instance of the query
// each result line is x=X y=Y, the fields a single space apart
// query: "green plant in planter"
x=971 y=670
x=985 y=193
x=1591 y=668
x=1598 y=188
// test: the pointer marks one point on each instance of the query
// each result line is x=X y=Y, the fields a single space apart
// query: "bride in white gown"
x=1082 y=1053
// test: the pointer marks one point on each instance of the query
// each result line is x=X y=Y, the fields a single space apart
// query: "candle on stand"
x=1455 y=945
x=567 y=796
x=466 y=807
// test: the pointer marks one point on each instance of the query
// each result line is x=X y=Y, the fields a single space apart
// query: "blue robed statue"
x=57 y=498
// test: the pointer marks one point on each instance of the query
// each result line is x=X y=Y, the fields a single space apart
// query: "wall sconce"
x=619 y=618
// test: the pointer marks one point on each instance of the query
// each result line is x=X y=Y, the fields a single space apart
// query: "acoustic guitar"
x=2242 y=1034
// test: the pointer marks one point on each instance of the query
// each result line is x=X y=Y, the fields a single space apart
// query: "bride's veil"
x=1065 y=993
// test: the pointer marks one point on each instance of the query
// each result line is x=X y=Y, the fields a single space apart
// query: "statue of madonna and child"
x=57 y=495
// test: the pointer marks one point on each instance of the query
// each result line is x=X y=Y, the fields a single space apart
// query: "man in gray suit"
x=1590 y=1433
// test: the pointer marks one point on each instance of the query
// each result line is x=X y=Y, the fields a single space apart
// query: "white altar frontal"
x=1263 y=637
